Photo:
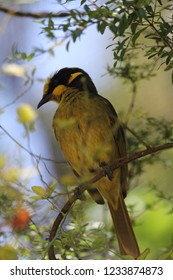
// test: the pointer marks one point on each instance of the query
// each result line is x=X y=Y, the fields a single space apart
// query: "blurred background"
x=20 y=171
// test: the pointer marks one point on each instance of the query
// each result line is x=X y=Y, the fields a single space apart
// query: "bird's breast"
x=85 y=136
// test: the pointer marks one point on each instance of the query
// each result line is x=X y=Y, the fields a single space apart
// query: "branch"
x=34 y=15
x=132 y=102
x=82 y=187
x=137 y=136
x=164 y=40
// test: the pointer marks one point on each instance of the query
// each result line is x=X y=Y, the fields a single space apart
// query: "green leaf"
x=150 y=10
x=30 y=56
x=82 y=2
x=133 y=27
x=67 y=45
x=131 y=18
x=137 y=34
x=87 y=9
x=114 y=29
x=152 y=55
x=115 y=64
x=141 y=13
x=169 y=67
x=102 y=26
x=160 y=2
x=154 y=37
x=76 y=33
x=122 y=54
x=39 y=190
x=141 y=3
x=51 y=190
x=23 y=55
x=50 y=23
x=165 y=28
x=169 y=58
x=123 y=24
x=36 y=197
x=73 y=14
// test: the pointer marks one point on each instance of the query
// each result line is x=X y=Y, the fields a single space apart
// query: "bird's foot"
x=80 y=195
x=107 y=171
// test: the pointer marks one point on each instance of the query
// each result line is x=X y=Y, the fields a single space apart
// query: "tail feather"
x=125 y=234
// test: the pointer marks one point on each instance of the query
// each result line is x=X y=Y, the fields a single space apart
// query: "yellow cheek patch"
x=58 y=91
x=74 y=76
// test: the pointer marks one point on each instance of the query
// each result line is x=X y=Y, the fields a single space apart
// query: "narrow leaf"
x=39 y=190
x=51 y=190
x=137 y=34
x=102 y=26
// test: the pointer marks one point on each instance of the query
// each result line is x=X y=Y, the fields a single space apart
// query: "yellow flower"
x=26 y=114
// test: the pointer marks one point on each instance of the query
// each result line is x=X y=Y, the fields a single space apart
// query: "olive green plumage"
x=91 y=138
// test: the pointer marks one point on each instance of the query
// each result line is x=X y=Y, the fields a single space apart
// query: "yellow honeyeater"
x=92 y=138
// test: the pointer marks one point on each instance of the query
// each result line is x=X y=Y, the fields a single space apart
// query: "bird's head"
x=63 y=80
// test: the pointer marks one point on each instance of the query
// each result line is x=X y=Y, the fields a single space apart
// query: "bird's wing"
x=120 y=141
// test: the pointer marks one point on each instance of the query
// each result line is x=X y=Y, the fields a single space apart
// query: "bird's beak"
x=44 y=100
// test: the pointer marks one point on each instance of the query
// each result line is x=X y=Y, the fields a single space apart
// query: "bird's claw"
x=79 y=194
x=107 y=171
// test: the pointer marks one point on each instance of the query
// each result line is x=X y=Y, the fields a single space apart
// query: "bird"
x=92 y=138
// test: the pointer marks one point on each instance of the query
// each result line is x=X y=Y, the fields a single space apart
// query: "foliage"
x=135 y=25
x=139 y=28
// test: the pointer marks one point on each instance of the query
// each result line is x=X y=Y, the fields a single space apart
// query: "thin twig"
x=82 y=187
x=17 y=97
x=137 y=136
x=132 y=103
x=37 y=15
x=164 y=40
x=39 y=172
x=28 y=151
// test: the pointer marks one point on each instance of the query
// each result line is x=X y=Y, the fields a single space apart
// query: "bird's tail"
x=124 y=231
